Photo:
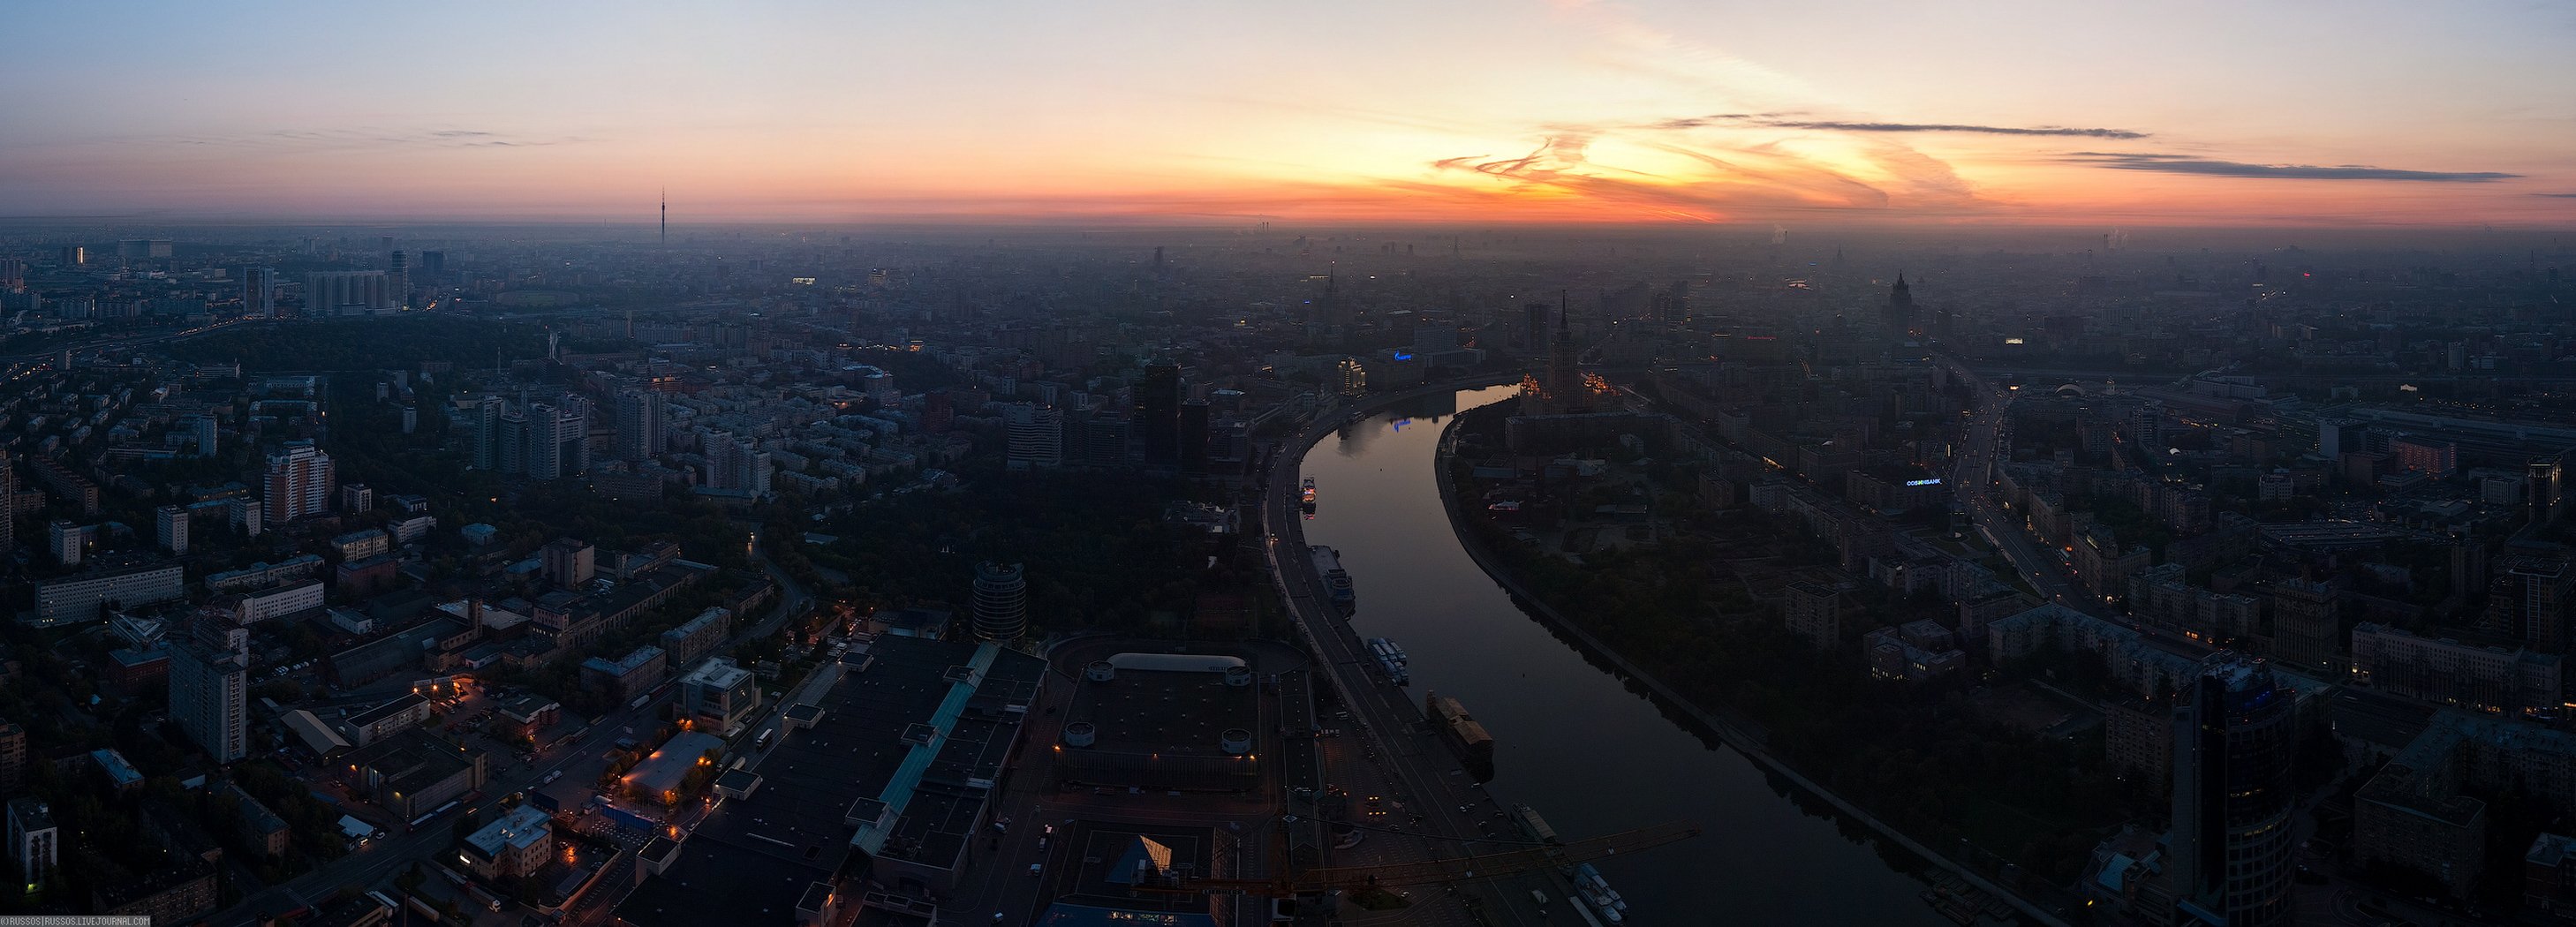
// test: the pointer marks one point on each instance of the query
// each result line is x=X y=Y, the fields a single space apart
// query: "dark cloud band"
x=2206 y=167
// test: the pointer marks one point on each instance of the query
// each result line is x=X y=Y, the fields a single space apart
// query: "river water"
x=1572 y=740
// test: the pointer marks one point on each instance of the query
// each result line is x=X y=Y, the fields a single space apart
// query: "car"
x=1036 y=868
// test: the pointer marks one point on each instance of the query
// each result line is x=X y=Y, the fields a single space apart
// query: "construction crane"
x=1521 y=858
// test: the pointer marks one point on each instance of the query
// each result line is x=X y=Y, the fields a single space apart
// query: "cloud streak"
x=2210 y=167
x=1783 y=121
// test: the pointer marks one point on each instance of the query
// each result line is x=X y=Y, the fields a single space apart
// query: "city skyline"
x=1572 y=111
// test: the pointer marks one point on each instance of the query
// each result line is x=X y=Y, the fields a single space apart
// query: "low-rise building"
x=374 y=724
x=1916 y=651
x=697 y=636
x=2412 y=815
x=281 y=600
x=412 y=773
x=516 y=845
x=2449 y=672
x=77 y=598
x=719 y=694
x=628 y=676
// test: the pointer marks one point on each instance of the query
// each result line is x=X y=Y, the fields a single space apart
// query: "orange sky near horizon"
x=1997 y=112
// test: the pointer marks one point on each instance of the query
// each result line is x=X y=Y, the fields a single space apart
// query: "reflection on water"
x=1572 y=740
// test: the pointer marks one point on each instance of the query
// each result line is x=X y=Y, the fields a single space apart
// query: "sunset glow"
x=2445 y=114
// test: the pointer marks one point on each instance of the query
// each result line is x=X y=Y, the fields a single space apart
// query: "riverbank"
x=1735 y=732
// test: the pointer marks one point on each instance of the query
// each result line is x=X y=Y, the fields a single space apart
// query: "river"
x=1571 y=740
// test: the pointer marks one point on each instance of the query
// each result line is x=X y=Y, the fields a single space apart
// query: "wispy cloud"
x=1782 y=121
x=1763 y=179
x=2187 y=164
x=290 y=140
x=2558 y=196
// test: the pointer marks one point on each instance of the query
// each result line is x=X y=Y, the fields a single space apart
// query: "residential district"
x=822 y=577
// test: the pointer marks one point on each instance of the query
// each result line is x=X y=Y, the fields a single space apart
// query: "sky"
x=2349 y=113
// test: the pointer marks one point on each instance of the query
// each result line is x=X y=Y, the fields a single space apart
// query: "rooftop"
x=521 y=827
x=1164 y=711
x=754 y=856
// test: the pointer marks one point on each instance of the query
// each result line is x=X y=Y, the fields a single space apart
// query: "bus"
x=763 y=742
x=382 y=899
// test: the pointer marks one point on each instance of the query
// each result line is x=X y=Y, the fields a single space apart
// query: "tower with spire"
x=1897 y=317
x=666 y=217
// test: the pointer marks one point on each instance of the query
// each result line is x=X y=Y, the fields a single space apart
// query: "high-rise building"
x=1158 y=413
x=487 y=433
x=1897 y=317
x=2307 y=627
x=68 y=541
x=209 y=689
x=34 y=844
x=13 y=757
x=204 y=427
x=347 y=292
x=8 y=505
x=1036 y=435
x=543 y=443
x=2528 y=600
x=170 y=528
x=1194 y=436
x=2232 y=839
x=259 y=292
x=398 y=280
x=734 y=463
x=13 y=273
x=299 y=484
x=639 y=424
x=1001 y=602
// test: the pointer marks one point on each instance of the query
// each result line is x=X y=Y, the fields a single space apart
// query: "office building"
x=2232 y=839
x=1036 y=436
x=719 y=694
x=34 y=844
x=170 y=528
x=209 y=688
x=299 y=484
x=1001 y=602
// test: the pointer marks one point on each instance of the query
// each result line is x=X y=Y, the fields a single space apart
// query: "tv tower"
x=666 y=217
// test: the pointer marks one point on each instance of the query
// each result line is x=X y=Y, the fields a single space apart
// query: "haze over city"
x=2213 y=114
x=1569 y=463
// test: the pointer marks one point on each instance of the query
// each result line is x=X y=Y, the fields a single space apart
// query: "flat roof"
x=406 y=702
x=521 y=827
x=1165 y=712
x=750 y=860
x=663 y=769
